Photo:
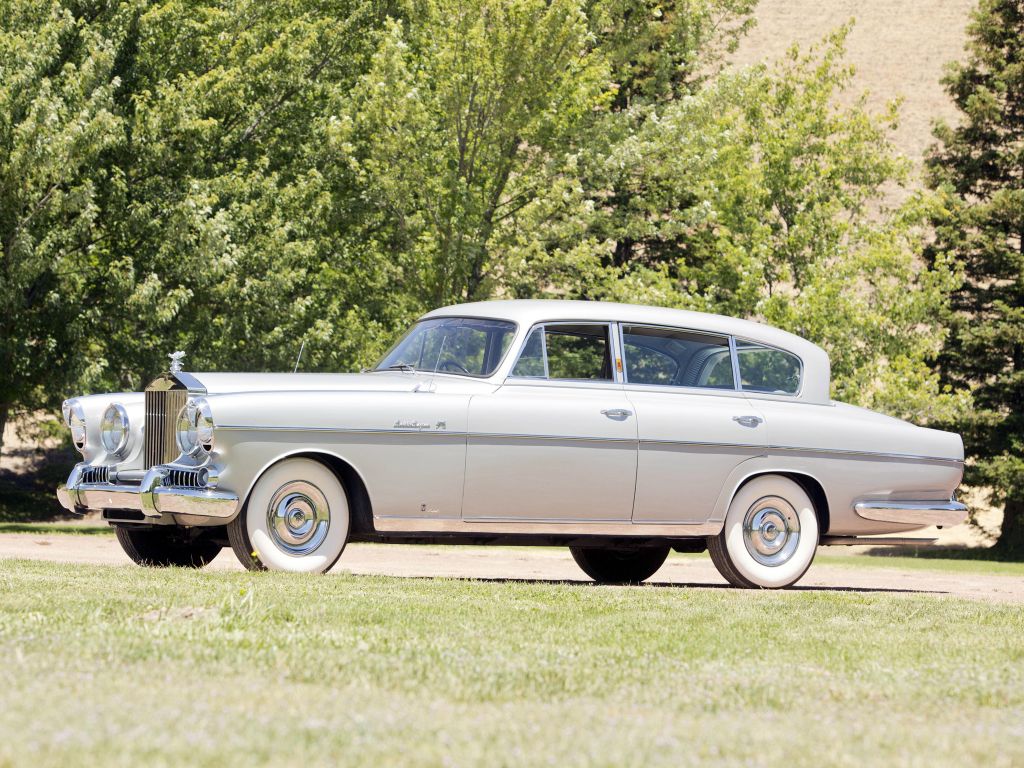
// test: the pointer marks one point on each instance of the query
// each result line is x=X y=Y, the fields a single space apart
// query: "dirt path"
x=543 y=564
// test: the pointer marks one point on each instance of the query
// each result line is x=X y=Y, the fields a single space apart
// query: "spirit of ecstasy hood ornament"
x=176 y=361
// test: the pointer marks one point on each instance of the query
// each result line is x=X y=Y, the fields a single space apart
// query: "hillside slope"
x=899 y=48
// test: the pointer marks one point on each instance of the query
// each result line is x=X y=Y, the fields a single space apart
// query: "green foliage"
x=660 y=51
x=976 y=166
x=57 y=119
x=756 y=196
x=453 y=106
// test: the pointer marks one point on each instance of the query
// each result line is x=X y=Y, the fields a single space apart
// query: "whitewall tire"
x=296 y=519
x=769 y=537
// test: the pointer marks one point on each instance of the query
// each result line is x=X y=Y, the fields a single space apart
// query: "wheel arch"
x=351 y=481
x=810 y=484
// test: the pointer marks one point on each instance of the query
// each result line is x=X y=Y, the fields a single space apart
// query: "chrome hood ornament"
x=176 y=358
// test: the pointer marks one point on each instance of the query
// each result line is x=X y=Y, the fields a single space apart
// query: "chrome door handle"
x=747 y=421
x=617 y=413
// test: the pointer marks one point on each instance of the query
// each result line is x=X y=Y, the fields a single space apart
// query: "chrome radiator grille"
x=162 y=408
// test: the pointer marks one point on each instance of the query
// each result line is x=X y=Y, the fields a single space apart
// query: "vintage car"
x=619 y=431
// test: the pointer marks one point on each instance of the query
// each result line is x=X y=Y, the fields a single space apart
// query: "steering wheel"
x=452 y=365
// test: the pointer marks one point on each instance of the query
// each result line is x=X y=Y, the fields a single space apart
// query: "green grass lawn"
x=955 y=561
x=72 y=527
x=132 y=666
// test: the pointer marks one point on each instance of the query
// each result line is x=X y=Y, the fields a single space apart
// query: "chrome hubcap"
x=298 y=517
x=771 y=531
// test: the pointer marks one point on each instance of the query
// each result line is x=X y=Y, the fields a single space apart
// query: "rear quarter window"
x=768 y=370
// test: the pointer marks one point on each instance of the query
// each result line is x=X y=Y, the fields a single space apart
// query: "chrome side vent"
x=96 y=475
x=162 y=407
x=185 y=478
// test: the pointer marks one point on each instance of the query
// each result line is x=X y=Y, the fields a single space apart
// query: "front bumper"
x=921 y=513
x=151 y=497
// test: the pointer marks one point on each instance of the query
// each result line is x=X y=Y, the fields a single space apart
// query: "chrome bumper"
x=150 y=497
x=923 y=513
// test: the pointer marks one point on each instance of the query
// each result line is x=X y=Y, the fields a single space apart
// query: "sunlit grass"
x=70 y=527
x=130 y=666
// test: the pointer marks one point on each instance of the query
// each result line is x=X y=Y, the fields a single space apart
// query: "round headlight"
x=204 y=425
x=74 y=417
x=195 y=427
x=114 y=432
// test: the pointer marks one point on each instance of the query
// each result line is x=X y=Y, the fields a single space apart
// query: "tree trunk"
x=4 y=411
x=1011 y=539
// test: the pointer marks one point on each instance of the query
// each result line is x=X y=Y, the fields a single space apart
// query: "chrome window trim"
x=618 y=352
x=678 y=389
x=736 y=380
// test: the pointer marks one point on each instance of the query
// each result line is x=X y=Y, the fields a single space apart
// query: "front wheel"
x=165 y=546
x=611 y=565
x=769 y=537
x=296 y=519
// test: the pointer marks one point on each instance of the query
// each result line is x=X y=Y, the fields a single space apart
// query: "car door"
x=558 y=440
x=694 y=426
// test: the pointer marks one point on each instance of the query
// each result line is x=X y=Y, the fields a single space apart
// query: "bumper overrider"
x=921 y=513
x=155 y=496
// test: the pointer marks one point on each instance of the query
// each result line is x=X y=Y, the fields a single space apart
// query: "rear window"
x=767 y=370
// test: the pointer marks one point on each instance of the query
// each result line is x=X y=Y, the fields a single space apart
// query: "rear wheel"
x=769 y=537
x=166 y=546
x=613 y=565
x=296 y=519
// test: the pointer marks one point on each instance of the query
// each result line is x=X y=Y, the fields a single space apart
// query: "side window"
x=672 y=357
x=647 y=365
x=566 y=351
x=763 y=369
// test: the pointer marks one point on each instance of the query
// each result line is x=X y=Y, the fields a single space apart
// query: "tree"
x=979 y=166
x=57 y=120
x=223 y=235
x=756 y=196
x=457 y=102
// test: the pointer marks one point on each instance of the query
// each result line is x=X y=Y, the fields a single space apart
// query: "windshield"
x=462 y=345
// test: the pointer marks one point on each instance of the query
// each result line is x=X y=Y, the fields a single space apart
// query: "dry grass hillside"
x=899 y=48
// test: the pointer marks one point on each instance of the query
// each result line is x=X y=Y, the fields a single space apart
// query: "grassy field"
x=128 y=666
x=899 y=49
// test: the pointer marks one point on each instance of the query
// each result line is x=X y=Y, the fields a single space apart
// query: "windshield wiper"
x=399 y=367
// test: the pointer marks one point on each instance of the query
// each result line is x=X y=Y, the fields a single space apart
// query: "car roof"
x=528 y=312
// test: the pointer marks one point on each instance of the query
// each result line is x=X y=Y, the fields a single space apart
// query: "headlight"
x=114 y=431
x=74 y=417
x=195 y=427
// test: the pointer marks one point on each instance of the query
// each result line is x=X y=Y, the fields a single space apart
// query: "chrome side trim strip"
x=574 y=438
x=699 y=444
x=340 y=430
x=871 y=454
x=873 y=541
x=565 y=527
x=643 y=442
x=912 y=512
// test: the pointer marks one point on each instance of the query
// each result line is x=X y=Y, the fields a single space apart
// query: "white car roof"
x=528 y=312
